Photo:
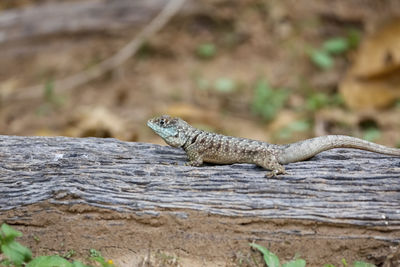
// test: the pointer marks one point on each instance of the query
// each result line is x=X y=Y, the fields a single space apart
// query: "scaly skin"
x=201 y=146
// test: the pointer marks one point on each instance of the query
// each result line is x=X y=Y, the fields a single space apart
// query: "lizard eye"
x=162 y=122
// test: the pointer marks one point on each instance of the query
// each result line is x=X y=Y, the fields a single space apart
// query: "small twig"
x=78 y=79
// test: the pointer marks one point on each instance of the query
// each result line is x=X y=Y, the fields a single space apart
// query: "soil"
x=189 y=238
x=167 y=77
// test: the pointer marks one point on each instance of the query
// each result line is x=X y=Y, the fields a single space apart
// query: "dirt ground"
x=254 y=39
x=188 y=238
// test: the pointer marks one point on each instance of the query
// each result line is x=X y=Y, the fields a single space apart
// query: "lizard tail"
x=306 y=149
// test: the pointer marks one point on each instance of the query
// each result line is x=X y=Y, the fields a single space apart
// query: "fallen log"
x=339 y=186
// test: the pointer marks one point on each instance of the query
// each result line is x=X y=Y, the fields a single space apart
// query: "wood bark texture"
x=342 y=186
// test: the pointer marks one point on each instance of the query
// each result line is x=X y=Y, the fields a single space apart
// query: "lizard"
x=202 y=146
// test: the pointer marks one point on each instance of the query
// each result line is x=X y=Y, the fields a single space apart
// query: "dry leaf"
x=379 y=54
x=374 y=80
x=370 y=94
x=100 y=122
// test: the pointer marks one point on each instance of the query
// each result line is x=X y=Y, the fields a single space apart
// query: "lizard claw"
x=271 y=174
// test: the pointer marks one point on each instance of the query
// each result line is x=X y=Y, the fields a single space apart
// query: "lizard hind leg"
x=271 y=163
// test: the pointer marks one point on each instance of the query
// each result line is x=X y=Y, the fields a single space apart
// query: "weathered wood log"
x=342 y=186
x=78 y=17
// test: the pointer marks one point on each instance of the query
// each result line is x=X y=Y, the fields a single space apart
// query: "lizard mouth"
x=152 y=125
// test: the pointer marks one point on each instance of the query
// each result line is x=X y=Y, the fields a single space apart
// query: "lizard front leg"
x=195 y=158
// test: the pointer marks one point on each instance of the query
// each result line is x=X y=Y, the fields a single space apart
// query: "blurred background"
x=272 y=70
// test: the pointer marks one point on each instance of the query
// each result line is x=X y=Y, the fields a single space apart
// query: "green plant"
x=206 y=51
x=50 y=261
x=316 y=101
x=294 y=127
x=96 y=256
x=267 y=101
x=225 y=85
x=69 y=254
x=36 y=238
x=51 y=99
x=202 y=83
x=273 y=261
x=336 y=46
x=18 y=255
x=397 y=104
x=353 y=38
x=50 y=95
x=363 y=264
x=166 y=260
x=322 y=57
x=371 y=134
x=145 y=51
x=355 y=264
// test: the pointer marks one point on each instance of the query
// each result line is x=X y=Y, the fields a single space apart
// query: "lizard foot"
x=193 y=163
x=275 y=173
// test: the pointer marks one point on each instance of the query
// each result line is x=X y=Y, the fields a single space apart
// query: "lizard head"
x=172 y=130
